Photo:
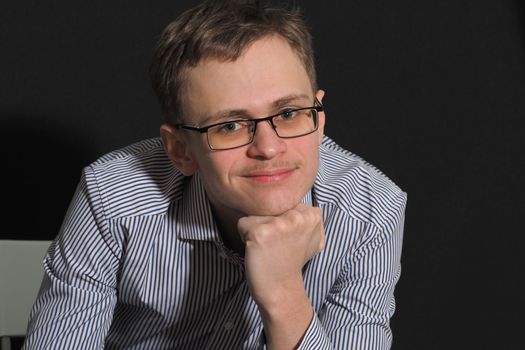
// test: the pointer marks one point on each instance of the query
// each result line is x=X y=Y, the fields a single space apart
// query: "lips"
x=270 y=175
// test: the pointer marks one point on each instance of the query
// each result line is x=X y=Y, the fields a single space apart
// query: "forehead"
x=268 y=70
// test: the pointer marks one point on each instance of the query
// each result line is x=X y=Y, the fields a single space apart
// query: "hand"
x=276 y=249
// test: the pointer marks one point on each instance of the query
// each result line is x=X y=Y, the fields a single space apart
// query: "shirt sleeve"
x=75 y=303
x=357 y=311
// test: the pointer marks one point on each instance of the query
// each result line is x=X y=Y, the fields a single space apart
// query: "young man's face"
x=271 y=175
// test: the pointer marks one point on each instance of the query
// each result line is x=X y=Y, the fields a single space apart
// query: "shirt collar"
x=194 y=215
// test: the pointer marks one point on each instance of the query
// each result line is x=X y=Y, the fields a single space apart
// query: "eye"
x=230 y=127
x=289 y=114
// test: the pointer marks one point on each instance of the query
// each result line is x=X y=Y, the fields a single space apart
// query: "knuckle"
x=263 y=234
x=295 y=217
x=242 y=223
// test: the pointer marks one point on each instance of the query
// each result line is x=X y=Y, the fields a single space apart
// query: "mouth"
x=270 y=175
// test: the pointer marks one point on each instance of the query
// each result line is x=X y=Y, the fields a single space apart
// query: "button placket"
x=233 y=329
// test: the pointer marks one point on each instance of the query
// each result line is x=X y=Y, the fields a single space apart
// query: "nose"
x=266 y=144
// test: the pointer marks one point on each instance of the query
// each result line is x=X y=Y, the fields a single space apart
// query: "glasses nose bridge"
x=267 y=119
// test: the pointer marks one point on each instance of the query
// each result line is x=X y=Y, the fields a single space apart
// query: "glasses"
x=287 y=124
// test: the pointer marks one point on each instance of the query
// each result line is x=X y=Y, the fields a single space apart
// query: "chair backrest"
x=21 y=274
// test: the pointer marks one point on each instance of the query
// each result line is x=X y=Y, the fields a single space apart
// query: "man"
x=244 y=227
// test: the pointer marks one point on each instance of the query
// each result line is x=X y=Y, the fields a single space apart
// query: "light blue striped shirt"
x=139 y=262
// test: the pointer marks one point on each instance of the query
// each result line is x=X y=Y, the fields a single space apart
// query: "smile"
x=270 y=175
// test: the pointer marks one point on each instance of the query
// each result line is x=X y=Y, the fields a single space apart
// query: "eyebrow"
x=283 y=101
x=233 y=113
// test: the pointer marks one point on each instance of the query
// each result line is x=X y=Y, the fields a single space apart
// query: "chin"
x=272 y=207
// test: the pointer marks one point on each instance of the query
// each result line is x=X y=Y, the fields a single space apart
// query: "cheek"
x=309 y=148
x=217 y=168
x=310 y=153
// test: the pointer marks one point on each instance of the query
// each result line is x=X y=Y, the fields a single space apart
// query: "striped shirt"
x=139 y=262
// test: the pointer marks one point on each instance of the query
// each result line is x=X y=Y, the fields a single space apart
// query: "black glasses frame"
x=204 y=129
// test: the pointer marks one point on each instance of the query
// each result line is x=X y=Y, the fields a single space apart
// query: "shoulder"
x=138 y=179
x=358 y=189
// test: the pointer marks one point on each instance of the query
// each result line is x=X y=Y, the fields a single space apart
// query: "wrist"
x=284 y=301
x=286 y=319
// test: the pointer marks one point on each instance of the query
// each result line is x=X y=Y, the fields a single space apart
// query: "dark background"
x=431 y=92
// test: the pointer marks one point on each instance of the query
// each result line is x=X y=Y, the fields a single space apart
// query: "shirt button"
x=228 y=325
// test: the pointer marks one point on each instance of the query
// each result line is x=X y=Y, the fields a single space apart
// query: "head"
x=226 y=61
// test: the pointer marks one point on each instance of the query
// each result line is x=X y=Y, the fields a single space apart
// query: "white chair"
x=21 y=274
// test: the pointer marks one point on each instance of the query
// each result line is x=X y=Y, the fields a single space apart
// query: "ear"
x=177 y=148
x=319 y=95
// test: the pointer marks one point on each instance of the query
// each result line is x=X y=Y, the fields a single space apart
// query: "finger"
x=246 y=223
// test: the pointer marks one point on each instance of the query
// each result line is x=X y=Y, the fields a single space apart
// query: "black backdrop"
x=431 y=92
